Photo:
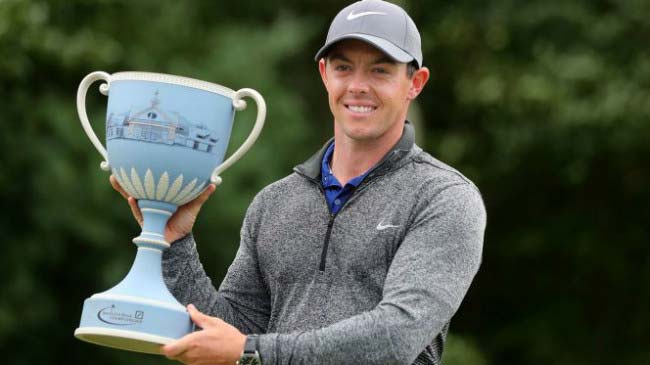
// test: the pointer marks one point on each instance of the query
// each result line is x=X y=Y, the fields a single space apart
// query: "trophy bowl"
x=166 y=139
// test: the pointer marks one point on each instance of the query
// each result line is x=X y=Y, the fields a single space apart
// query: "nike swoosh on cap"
x=353 y=16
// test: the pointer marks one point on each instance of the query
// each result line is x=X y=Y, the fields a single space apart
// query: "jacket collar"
x=312 y=167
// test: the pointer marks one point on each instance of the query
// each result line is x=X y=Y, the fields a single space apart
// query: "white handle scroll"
x=81 y=109
x=240 y=104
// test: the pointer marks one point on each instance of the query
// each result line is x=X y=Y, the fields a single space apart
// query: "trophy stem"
x=147 y=266
x=155 y=215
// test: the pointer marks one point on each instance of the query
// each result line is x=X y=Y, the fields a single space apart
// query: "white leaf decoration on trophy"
x=186 y=190
x=149 y=185
x=176 y=185
x=135 y=180
x=192 y=195
x=163 y=184
x=162 y=191
x=126 y=184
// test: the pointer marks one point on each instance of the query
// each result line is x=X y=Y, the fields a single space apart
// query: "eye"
x=380 y=70
x=342 y=68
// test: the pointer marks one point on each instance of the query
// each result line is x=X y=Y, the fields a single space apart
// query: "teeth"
x=360 y=109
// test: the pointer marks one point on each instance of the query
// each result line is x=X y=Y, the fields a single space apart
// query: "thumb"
x=200 y=319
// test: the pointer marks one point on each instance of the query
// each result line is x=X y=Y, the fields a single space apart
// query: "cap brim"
x=383 y=45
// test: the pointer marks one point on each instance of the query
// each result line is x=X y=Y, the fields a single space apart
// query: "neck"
x=352 y=158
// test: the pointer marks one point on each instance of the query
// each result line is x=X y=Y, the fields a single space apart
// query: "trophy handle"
x=81 y=109
x=240 y=104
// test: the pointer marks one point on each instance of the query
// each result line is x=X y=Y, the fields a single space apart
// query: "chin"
x=362 y=134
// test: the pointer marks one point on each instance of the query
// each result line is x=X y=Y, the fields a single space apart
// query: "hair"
x=411 y=67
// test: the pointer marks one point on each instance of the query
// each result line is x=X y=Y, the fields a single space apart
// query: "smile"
x=360 y=108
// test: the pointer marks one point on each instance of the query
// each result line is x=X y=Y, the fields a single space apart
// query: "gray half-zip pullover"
x=377 y=283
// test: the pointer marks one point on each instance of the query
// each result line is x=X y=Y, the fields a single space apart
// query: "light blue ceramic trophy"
x=166 y=138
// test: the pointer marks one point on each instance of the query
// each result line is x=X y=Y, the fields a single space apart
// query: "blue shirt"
x=335 y=194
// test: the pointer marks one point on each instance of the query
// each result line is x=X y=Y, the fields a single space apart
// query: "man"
x=364 y=253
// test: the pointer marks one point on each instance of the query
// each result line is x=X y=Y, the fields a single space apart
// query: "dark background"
x=545 y=105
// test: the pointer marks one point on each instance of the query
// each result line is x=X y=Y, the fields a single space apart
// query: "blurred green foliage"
x=544 y=104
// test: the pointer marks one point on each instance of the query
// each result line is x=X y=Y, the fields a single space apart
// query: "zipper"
x=330 y=224
x=323 y=255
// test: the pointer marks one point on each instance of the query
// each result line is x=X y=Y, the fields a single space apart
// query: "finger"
x=196 y=204
x=116 y=185
x=135 y=209
x=179 y=349
x=175 y=349
x=200 y=319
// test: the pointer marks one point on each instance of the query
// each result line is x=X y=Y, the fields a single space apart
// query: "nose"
x=358 y=83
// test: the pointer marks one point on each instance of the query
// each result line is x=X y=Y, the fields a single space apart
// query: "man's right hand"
x=181 y=222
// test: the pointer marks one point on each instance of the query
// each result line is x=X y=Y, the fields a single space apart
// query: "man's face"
x=369 y=93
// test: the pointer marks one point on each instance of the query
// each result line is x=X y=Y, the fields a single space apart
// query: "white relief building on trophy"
x=155 y=125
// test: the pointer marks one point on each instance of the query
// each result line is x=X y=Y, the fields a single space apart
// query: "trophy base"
x=123 y=340
x=132 y=323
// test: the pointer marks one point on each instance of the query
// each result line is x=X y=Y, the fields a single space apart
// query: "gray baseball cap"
x=379 y=23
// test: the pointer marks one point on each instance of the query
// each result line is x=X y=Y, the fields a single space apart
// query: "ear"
x=322 y=68
x=418 y=81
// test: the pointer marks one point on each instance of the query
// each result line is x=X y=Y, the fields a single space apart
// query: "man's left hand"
x=217 y=342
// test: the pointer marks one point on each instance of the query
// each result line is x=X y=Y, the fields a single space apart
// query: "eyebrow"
x=383 y=59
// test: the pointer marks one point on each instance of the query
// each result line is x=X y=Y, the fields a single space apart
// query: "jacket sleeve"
x=426 y=282
x=242 y=300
